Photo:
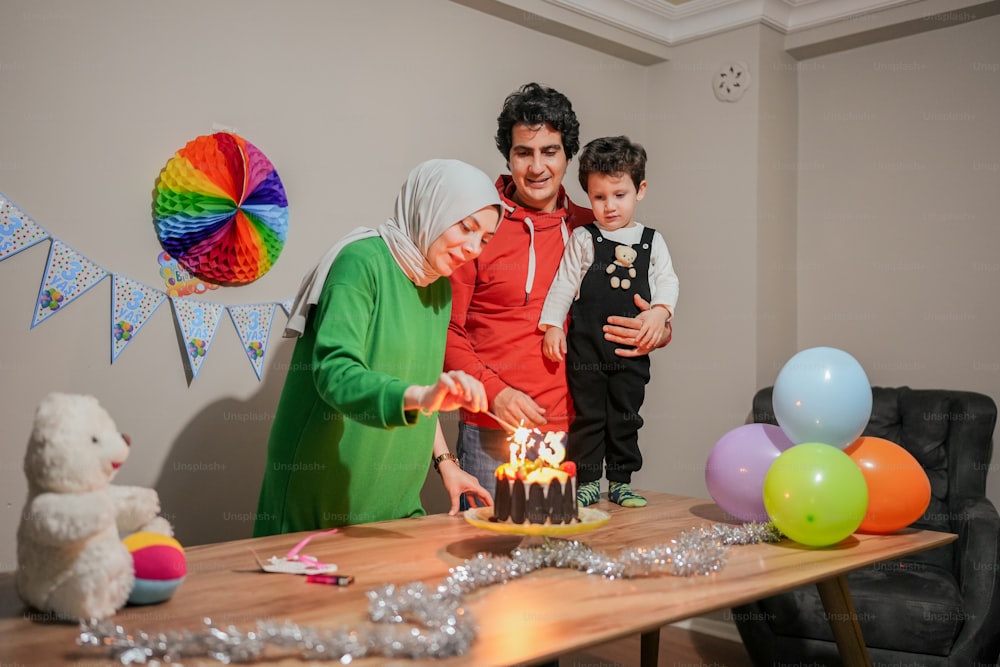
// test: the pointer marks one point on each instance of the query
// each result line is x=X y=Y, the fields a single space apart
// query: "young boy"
x=604 y=265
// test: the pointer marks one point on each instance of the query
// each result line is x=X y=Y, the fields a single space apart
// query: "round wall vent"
x=731 y=81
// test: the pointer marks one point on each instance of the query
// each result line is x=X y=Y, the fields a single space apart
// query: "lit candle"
x=543 y=452
x=552 y=449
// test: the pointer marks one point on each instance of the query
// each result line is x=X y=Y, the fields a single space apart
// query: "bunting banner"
x=17 y=230
x=178 y=280
x=286 y=306
x=199 y=322
x=132 y=303
x=68 y=274
x=253 y=324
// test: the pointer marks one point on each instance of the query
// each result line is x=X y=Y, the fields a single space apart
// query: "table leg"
x=649 y=648
x=843 y=620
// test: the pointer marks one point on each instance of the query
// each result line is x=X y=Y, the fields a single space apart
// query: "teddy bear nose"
x=128 y=440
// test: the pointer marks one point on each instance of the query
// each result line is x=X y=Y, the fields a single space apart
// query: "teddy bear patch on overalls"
x=622 y=263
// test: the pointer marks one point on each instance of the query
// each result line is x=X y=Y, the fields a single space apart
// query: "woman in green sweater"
x=355 y=430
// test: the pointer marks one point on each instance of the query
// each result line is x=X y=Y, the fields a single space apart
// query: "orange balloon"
x=898 y=489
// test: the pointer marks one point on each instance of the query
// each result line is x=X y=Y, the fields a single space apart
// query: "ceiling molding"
x=872 y=29
x=604 y=36
x=645 y=31
x=672 y=24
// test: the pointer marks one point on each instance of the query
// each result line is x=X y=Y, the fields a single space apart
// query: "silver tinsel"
x=414 y=621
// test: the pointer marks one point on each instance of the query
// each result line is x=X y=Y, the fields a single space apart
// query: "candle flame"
x=548 y=448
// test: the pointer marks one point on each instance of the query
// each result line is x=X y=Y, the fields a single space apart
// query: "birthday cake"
x=539 y=490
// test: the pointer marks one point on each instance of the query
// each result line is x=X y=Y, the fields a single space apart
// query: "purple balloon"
x=737 y=466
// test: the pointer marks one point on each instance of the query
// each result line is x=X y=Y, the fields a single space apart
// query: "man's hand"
x=515 y=407
x=623 y=331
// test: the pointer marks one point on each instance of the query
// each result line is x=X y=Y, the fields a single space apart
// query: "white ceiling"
x=677 y=22
x=644 y=31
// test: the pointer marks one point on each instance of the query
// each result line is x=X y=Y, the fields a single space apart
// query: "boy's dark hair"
x=534 y=104
x=613 y=156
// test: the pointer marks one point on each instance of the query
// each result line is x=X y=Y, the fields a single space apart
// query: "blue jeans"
x=481 y=451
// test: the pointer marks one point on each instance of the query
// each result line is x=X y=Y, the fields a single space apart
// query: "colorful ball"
x=160 y=567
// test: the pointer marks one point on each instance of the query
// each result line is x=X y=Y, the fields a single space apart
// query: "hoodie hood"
x=533 y=221
x=540 y=220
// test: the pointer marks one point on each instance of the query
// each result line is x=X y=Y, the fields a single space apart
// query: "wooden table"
x=536 y=618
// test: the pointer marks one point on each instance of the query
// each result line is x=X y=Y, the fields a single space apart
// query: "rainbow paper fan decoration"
x=221 y=210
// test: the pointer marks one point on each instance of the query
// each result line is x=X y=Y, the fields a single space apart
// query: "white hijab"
x=436 y=195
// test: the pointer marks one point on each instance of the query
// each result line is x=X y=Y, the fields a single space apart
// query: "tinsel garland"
x=414 y=621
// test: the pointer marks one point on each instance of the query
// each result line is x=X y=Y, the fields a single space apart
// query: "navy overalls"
x=607 y=390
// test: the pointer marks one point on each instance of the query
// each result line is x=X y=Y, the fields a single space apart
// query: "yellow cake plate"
x=589 y=520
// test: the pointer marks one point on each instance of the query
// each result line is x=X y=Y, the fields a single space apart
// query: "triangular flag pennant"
x=132 y=303
x=253 y=324
x=198 y=320
x=68 y=274
x=17 y=230
x=286 y=306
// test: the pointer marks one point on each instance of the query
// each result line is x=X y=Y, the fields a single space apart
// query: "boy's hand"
x=554 y=344
x=652 y=322
x=622 y=330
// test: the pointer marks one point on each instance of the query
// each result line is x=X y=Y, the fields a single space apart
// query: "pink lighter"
x=330 y=579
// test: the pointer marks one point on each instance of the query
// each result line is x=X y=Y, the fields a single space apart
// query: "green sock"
x=622 y=493
x=588 y=493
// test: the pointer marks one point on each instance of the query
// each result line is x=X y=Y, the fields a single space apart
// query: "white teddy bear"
x=70 y=557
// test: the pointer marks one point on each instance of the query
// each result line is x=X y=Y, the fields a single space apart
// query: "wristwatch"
x=447 y=456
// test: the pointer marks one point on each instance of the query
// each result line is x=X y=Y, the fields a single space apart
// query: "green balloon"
x=815 y=494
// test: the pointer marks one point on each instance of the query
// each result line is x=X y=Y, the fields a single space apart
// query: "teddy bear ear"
x=49 y=407
x=57 y=401
x=55 y=408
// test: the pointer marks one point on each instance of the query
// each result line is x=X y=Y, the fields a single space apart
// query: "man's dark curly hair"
x=612 y=156
x=534 y=104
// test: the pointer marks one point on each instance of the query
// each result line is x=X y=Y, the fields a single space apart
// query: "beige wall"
x=703 y=196
x=345 y=97
x=899 y=189
x=777 y=181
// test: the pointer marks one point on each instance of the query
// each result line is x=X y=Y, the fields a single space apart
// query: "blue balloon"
x=822 y=395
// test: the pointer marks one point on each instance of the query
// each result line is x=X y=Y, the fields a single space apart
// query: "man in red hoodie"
x=497 y=299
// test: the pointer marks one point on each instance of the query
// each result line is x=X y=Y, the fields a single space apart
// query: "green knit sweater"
x=342 y=450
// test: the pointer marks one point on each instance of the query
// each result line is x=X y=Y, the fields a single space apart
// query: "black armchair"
x=939 y=607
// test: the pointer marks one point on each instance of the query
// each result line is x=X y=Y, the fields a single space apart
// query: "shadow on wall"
x=211 y=478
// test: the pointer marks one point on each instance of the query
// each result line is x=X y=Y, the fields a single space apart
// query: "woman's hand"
x=453 y=390
x=457 y=483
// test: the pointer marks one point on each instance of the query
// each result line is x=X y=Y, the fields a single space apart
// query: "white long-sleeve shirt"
x=579 y=255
